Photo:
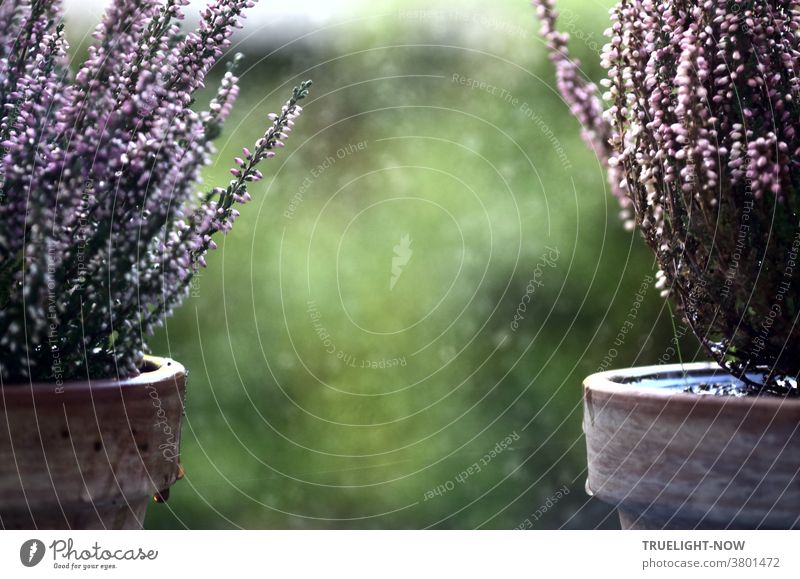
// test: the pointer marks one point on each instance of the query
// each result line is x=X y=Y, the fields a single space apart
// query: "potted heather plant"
x=102 y=231
x=699 y=132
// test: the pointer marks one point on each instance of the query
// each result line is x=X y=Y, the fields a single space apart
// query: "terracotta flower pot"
x=89 y=455
x=670 y=459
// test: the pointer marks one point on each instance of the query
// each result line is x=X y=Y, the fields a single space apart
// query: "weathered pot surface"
x=89 y=455
x=670 y=459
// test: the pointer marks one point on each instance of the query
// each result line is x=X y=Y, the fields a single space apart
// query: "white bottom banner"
x=423 y=554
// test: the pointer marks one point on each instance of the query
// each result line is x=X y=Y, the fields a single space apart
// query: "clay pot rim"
x=612 y=382
x=682 y=460
x=160 y=372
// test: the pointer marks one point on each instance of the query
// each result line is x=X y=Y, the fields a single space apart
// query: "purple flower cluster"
x=102 y=227
x=699 y=130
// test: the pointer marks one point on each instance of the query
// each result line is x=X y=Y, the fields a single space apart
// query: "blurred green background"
x=329 y=390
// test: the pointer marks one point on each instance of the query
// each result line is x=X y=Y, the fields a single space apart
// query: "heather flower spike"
x=699 y=133
x=101 y=225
